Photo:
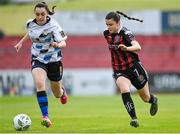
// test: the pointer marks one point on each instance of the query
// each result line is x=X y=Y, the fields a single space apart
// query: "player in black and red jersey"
x=126 y=64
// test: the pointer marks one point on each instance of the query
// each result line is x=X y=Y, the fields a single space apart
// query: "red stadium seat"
x=159 y=53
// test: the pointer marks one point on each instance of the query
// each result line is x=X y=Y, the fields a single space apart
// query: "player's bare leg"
x=39 y=76
x=147 y=97
x=124 y=85
x=59 y=91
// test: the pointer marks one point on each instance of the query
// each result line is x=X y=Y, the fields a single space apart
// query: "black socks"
x=151 y=100
x=129 y=105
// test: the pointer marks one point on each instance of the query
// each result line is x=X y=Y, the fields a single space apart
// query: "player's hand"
x=55 y=44
x=122 y=47
x=18 y=46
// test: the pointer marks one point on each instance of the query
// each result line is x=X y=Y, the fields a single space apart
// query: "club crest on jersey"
x=117 y=39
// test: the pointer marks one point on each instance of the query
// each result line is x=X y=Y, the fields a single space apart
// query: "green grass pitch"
x=92 y=115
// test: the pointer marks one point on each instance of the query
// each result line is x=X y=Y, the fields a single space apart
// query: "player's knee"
x=124 y=90
x=40 y=85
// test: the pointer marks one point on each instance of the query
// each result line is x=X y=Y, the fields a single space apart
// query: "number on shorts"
x=136 y=72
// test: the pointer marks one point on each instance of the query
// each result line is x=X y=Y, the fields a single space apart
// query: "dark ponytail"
x=43 y=4
x=130 y=18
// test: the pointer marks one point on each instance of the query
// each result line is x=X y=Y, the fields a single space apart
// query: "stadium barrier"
x=165 y=82
x=83 y=82
x=92 y=23
x=77 y=82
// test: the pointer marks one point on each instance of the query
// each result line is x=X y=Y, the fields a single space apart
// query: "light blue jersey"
x=42 y=37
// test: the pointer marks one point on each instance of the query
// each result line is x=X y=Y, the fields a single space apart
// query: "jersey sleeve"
x=28 y=23
x=59 y=34
x=129 y=36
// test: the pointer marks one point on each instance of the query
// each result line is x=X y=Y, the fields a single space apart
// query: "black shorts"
x=136 y=74
x=54 y=70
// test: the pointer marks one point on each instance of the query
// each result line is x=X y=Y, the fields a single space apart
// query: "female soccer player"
x=126 y=65
x=48 y=39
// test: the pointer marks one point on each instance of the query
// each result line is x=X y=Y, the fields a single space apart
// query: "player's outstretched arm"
x=20 y=43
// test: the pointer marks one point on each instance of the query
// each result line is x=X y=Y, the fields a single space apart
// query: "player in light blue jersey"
x=48 y=39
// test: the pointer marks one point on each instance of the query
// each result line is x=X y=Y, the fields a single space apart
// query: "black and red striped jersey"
x=121 y=60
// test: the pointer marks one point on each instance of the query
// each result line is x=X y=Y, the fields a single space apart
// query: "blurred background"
x=87 y=67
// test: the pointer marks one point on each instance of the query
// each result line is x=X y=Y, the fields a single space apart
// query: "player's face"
x=41 y=15
x=112 y=25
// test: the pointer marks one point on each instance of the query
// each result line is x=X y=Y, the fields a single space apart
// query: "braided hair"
x=43 y=4
x=130 y=18
x=116 y=16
